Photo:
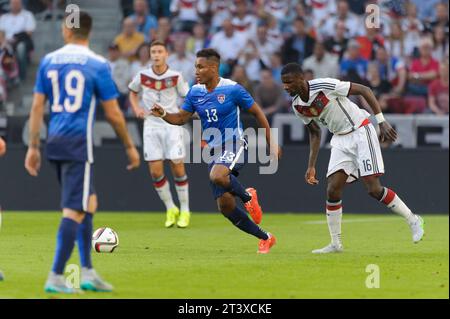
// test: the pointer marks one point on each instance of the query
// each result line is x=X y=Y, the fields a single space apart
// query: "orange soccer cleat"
x=252 y=206
x=265 y=245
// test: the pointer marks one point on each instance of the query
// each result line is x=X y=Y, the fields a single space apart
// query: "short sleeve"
x=188 y=106
x=39 y=86
x=182 y=86
x=135 y=84
x=104 y=84
x=339 y=88
x=243 y=98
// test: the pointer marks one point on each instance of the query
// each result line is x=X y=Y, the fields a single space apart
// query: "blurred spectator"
x=46 y=9
x=299 y=46
x=268 y=94
x=391 y=69
x=264 y=46
x=352 y=22
x=228 y=44
x=145 y=22
x=220 y=11
x=370 y=42
x=395 y=43
x=412 y=27
x=163 y=32
x=244 y=22
x=276 y=66
x=337 y=44
x=198 y=40
x=440 y=40
x=143 y=59
x=19 y=25
x=273 y=32
x=380 y=87
x=308 y=74
x=441 y=17
x=426 y=9
x=353 y=61
x=423 y=70
x=121 y=73
x=438 y=91
x=161 y=8
x=249 y=59
x=240 y=76
x=182 y=61
x=321 y=11
x=127 y=7
x=322 y=63
x=187 y=13
x=129 y=39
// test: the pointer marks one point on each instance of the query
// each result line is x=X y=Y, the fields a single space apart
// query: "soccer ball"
x=105 y=240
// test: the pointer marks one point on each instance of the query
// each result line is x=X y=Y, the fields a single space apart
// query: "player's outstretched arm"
x=315 y=134
x=262 y=121
x=33 y=157
x=179 y=118
x=386 y=130
x=2 y=147
x=115 y=117
x=139 y=112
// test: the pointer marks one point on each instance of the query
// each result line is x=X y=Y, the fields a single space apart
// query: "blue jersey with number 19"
x=73 y=78
x=219 y=110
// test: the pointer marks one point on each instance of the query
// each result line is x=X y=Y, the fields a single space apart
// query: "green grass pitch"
x=212 y=259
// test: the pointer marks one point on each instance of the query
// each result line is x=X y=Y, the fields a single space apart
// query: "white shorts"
x=163 y=142
x=358 y=154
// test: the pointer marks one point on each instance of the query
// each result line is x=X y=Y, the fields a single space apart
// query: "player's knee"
x=333 y=192
x=156 y=175
x=218 y=179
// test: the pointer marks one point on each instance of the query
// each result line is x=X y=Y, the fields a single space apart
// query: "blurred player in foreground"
x=355 y=149
x=162 y=85
x=72 y=79
x=218 y=102
x=2 y=152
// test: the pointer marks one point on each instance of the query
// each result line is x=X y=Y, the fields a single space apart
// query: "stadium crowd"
x=403 y=58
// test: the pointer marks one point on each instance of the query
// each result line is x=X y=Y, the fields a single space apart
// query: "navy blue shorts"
x=77 y=183
x=234 y=155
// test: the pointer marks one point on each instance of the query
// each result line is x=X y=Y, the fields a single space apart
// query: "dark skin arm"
x=179 y=118
x=315 y=134
x=387 y=133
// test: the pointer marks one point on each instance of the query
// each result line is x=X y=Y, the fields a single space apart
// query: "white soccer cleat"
x=331 y=248
x=417 y=229
x=91 y=281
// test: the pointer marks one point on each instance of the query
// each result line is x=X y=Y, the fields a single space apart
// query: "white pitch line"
x=355 y=220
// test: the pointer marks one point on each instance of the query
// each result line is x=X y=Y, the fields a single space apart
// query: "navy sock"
x=237 y=189
x=84 y=237
x=240 y=219
x=64 y=244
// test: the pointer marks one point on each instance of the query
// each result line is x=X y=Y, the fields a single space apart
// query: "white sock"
x=162 y=186
x=334 y=219
x=396 y=205
x=182 y=187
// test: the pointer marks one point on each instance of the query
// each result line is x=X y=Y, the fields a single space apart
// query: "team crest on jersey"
x=221 y=98
x=158 y=85
x=316 y=107
x=169 y=83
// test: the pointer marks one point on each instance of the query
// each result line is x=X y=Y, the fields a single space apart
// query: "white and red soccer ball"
x=105 y=240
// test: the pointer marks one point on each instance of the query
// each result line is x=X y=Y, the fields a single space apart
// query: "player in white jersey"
x=163 y=141
x=355 y=150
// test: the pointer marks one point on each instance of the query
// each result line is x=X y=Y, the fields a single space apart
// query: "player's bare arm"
x=315 y=134
x=33 y=157
x=138 y=110
x=262 y=121
x=117 y=121
x=179 y=118
x=387 y=133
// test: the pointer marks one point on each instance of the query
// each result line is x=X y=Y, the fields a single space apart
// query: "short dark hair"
x=158 y=42
x=292 y=68
x=84 y=29
x=209 y=54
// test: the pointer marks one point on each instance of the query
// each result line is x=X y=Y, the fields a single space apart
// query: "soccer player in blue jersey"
x=218 y=103
x=73 y=78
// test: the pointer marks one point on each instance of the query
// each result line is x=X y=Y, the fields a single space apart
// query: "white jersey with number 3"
x=329 y=104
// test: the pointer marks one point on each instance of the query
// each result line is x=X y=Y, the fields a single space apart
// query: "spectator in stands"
x=145 y=22
x=413 y=29
x=161 y=8
x=46 y=9
x=391 y=69
x=308 y=74
x=183 y=61
x=240 y=76
x=276 y=66
x=381 y=88
x=321 y=11
x=268 y=94
x=337 y=44
x=273 y=31
x=244 y=22
x=127 y=7
x=299 y=46
x=198 y=40
x=143 y=59
x=220 y=10
x=438 y=99
x=19 y=25
x=369 y=42
x=353 y=61
x=264 y=46
x=121 y=73
x=352 y=22
x=228 y=44
x=423 y=70
x=187 y=13
x=9 y=69
x=249 y=59
x=163 y=33
x=129 y=39
x=440 y=40
x=395 y=43
x=441 y=17
x=322 y=63
x=426 y=9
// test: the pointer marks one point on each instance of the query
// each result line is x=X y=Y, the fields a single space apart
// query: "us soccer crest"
x=221 y=98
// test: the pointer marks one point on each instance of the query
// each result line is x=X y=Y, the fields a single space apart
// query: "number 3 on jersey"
x=74 y=90
x=212 y=115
